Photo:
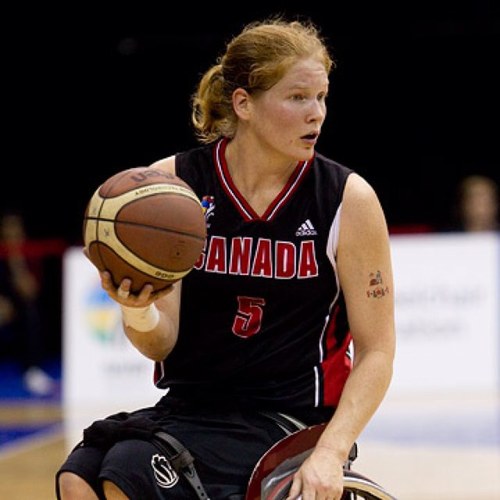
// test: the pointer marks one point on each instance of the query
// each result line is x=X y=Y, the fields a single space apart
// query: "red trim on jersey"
x=246 y=211
x=336 y=365
x=159 y=372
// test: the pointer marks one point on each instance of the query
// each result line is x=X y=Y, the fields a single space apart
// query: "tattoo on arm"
x=376 y=289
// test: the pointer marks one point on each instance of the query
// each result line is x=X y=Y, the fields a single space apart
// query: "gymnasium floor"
x=435 y=448
x=423 y=449
x=31 y=439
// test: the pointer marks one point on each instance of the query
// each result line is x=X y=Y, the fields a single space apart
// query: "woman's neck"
x=258 y=177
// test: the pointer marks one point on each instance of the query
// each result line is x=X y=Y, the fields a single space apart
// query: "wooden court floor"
x=28 y=464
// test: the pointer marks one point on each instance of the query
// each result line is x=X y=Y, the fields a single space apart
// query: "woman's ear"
x=241 y=103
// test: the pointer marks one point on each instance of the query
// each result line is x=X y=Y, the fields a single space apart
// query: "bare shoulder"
x=167 y=164
x=359 y=191
x=361 y=206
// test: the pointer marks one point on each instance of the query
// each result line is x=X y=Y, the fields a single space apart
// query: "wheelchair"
x=272 y=476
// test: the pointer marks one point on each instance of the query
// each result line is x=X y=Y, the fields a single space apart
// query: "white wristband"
x=142 y=319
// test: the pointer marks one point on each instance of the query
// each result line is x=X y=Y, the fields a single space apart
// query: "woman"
x=296 y=270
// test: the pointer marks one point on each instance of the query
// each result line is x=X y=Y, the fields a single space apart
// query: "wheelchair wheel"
x=356 y=487
x=360 y=487
x=272 y=476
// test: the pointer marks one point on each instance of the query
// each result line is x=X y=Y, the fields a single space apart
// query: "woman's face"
x=288 y=117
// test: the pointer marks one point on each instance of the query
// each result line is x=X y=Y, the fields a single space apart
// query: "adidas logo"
x=306 y=229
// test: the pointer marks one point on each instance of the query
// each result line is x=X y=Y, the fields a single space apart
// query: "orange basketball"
x=144 y=224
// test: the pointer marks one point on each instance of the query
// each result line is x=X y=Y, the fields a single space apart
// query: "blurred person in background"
x=477 y=205
x=21 y=325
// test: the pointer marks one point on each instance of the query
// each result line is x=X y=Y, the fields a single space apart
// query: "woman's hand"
x=320 y=477
x=122 y=295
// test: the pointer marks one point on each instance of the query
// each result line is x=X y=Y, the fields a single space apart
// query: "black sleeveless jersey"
x=263 y=322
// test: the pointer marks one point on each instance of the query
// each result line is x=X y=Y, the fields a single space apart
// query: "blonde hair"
x=254 y=60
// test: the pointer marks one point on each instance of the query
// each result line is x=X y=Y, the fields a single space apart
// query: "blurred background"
x=88 y=91
x=413 y=107
x=414 y=100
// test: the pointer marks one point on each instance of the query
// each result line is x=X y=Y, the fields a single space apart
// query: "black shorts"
x=226 y=445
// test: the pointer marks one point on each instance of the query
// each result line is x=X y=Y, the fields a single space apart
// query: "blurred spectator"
x=20 y=318
x=477 y=205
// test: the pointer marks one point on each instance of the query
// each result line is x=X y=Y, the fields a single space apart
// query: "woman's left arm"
x=366 y=278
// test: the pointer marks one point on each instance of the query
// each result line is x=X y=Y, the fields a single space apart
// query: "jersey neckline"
x=239 y=201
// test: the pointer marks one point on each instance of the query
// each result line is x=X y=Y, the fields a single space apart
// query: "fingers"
x=120 y=294
x=123 y=294
x=295 y=489
x=300 y=491
x=147 y=293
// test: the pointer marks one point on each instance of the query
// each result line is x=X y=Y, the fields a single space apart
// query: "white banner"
x=447 y=290
x=102 y=372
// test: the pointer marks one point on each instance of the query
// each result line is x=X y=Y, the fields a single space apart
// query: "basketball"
x=144 y=224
